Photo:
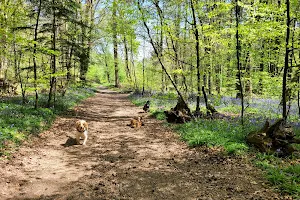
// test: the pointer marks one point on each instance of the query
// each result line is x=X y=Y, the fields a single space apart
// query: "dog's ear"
x=85 y=124
x=77 y=123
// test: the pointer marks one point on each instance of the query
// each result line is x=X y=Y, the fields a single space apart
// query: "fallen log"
x=277 y=138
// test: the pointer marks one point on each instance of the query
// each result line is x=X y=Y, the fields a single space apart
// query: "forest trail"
x=123 y=163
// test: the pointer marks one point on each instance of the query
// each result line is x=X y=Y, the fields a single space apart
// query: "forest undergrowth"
x=18 y=121
x=230 y=135
x=21 y=121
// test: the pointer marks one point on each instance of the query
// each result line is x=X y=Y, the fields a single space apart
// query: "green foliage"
x=231 y=136
x=283 y=173
x=94 y=73
x=261 y=33
x=73 y=96
x=167 y=96
x=23 y=120
x=20 y=121
x=231 y=108
x=160 y=115
x=158 y=103
x=138 y=101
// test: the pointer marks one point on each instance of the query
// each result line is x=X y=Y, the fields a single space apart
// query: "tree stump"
x=178 y=114
x=277 y=138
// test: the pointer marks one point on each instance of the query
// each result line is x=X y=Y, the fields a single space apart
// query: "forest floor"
x=119 y=162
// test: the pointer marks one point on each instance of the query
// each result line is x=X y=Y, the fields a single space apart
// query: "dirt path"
x=123 y=163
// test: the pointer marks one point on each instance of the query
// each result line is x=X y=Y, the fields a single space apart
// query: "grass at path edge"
x=283 y=173
x=19 y=121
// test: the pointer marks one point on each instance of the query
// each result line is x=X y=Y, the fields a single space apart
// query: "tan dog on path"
x=136 y=123
x=82 y=131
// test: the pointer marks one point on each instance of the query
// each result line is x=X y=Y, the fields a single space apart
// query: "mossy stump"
x=178 y=114
x=277 y=138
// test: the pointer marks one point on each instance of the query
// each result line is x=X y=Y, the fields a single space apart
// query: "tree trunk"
x=34 y=55
x=238 y=50
x=53 y=66
x=160 y=47
x=298 y=96
x=126 y=59
x=261 y=69
x=84 y=58
x=106 y=64
x=115 y=43
x=286 y=62
x=69 y=62
x=197 y=47
x=19 y=77
x=133 y=66
x=184 y=53
x=248 y=84
x=143 y=90
x=205 y=99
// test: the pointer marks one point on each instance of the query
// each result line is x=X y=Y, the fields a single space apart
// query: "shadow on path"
x=123 y=163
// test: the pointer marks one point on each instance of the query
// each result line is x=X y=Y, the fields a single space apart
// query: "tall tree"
x=197 y=47
x=159 y=57
x=39 y=7
x=115 y=42
x=238 y=52
x=53 y=56
x=160 y=43
x=286 y=61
